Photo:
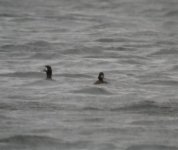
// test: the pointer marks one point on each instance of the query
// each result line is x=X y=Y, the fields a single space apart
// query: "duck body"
x=100 y=79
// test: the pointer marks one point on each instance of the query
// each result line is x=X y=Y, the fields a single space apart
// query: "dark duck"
x=48 y=71
x=100 y=78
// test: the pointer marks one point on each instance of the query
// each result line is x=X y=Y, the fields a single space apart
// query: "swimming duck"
x=48 y=71
x=100 y=78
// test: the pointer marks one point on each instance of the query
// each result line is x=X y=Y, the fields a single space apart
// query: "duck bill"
x=45 y=69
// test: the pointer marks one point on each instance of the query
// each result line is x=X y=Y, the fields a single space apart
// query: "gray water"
x=134 y=42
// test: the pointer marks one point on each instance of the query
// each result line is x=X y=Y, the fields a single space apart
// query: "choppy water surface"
x=133 y=42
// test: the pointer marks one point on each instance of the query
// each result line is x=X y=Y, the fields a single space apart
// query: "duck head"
x=101 y=76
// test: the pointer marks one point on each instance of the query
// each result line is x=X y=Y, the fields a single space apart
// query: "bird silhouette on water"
x=48 y=71
x=100 y=78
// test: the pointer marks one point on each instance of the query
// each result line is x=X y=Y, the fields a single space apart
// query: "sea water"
x=134 y=42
